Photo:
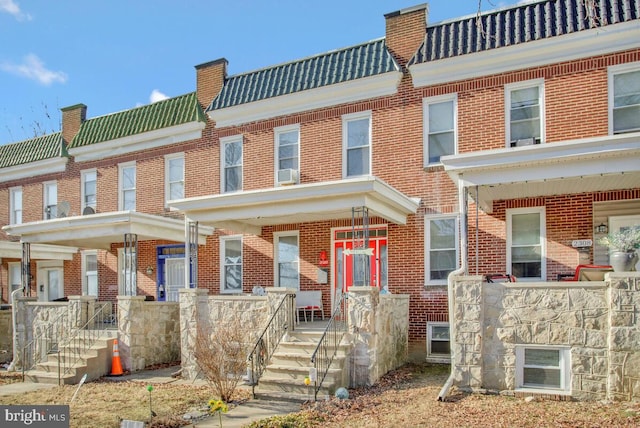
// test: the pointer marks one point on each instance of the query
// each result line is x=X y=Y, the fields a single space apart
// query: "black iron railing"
x=270 y=338
x=329 y=343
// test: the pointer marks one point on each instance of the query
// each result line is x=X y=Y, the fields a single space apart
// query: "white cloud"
x=156 y=96
x=12 y=8
x=33 y=68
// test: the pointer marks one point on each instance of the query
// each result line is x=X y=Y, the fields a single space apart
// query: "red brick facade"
x=576 y=92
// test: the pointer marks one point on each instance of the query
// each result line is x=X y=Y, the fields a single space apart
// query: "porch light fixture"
x=149 y=270
x=602 y=228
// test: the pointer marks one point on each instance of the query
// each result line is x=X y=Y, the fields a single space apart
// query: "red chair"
x=586 y=273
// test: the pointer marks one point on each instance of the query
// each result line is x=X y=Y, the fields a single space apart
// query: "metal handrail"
x=269 y=339
x=82 y=340
x=45 y=342
x=329 y=343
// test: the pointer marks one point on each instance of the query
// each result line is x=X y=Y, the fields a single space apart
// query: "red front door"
x=350 y=267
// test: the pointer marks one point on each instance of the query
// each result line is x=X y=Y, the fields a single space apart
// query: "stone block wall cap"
x=200 y=291
x=83 y=298
x=131 y=297
x=354 y=289
x=280 y=290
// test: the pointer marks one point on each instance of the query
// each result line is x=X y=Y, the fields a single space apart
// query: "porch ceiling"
x=567 y=167
x=101 y=230
x=249 y=211
x=13 y=250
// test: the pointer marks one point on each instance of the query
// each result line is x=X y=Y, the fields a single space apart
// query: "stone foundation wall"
x=6 y=336
x=148 y=332
x=379 y=332
x=200 y=311
x=597 y=321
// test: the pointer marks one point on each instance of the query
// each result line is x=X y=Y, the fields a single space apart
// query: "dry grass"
x=403 y=398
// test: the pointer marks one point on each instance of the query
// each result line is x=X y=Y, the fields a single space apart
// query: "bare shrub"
x=221 y=355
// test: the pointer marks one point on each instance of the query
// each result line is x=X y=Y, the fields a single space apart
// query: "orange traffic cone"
x=116 y=366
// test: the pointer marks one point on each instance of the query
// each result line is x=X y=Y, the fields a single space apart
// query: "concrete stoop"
x=283 y=378
x=95 y=363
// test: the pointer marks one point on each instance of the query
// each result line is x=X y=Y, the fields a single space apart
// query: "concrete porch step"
x=277 y=386
x=37 y=376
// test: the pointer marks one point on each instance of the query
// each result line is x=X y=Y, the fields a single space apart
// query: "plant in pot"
x=623 y=246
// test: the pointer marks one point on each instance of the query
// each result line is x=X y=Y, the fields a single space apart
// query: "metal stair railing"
x=82 y=340
x=269 y=339
x=329 y=343
x=45 y=343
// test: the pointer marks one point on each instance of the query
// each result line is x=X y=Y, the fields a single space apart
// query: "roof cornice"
x=32 y=169
x=326 y=96
x=582 y=44
x=144 y=141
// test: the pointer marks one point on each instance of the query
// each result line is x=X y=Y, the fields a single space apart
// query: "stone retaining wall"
x=148 y=332
x=597 y=321
x=379 y=333
x=6 y=336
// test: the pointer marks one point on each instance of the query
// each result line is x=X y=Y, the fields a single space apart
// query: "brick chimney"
x=210 y=78
x=72 y=118
x=405 y=31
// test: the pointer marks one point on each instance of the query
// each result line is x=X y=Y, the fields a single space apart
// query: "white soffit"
x=326 y=96
x=33 y=169
x=568 y=167
x=249 y=211
x=13 y=250
x=582 y=44
x=133 y=143
x=99 y=231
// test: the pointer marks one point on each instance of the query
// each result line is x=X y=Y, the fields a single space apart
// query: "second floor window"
x=625 y=101
x=231 y=164
x=174 y=177
x=89 y=189
x=287 y=149
x=440 y=128
x=525 y=113
x=50 y=200
x=15 y=205
x=356 y=140
x=127 y=186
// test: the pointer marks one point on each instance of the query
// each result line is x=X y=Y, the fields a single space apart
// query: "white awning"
x=13 y=250
x=249 y=211
x=99 y=231
x=568 y=167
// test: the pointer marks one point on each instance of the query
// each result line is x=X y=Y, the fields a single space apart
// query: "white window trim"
x=83 y=177
x=276 y=163
x=224 y=141
x=276 y=255
x=83 y=256
x=543 y=239
x=345 y=137
x=435 y=356
x=507 y=107
x=167 y=182
x=45 y=194
x=223 y=241
x=11 y=266
x=564 y=366
x=12 y=207
x=426 y=102
x=611 y=72
x=427 y=241
x=121 y=168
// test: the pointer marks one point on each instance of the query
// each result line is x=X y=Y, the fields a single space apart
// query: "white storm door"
x=174 y=277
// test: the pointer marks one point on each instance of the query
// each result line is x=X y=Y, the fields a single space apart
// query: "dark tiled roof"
x=520 y=24
x=162 y=114
x=368 y=59
x=33 y=150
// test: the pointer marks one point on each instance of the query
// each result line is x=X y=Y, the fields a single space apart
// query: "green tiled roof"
x=343 y=65
x=33 y=150
x=162 y=114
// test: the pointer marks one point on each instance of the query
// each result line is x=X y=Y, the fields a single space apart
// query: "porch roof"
x=249 y=211
x=568 y=167
x=13 y=250
x=101 y=230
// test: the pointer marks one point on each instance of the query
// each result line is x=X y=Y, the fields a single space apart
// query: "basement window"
x=543 y=368
x=438 y=343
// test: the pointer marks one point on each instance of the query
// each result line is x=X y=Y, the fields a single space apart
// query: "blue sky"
x=118 y=54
